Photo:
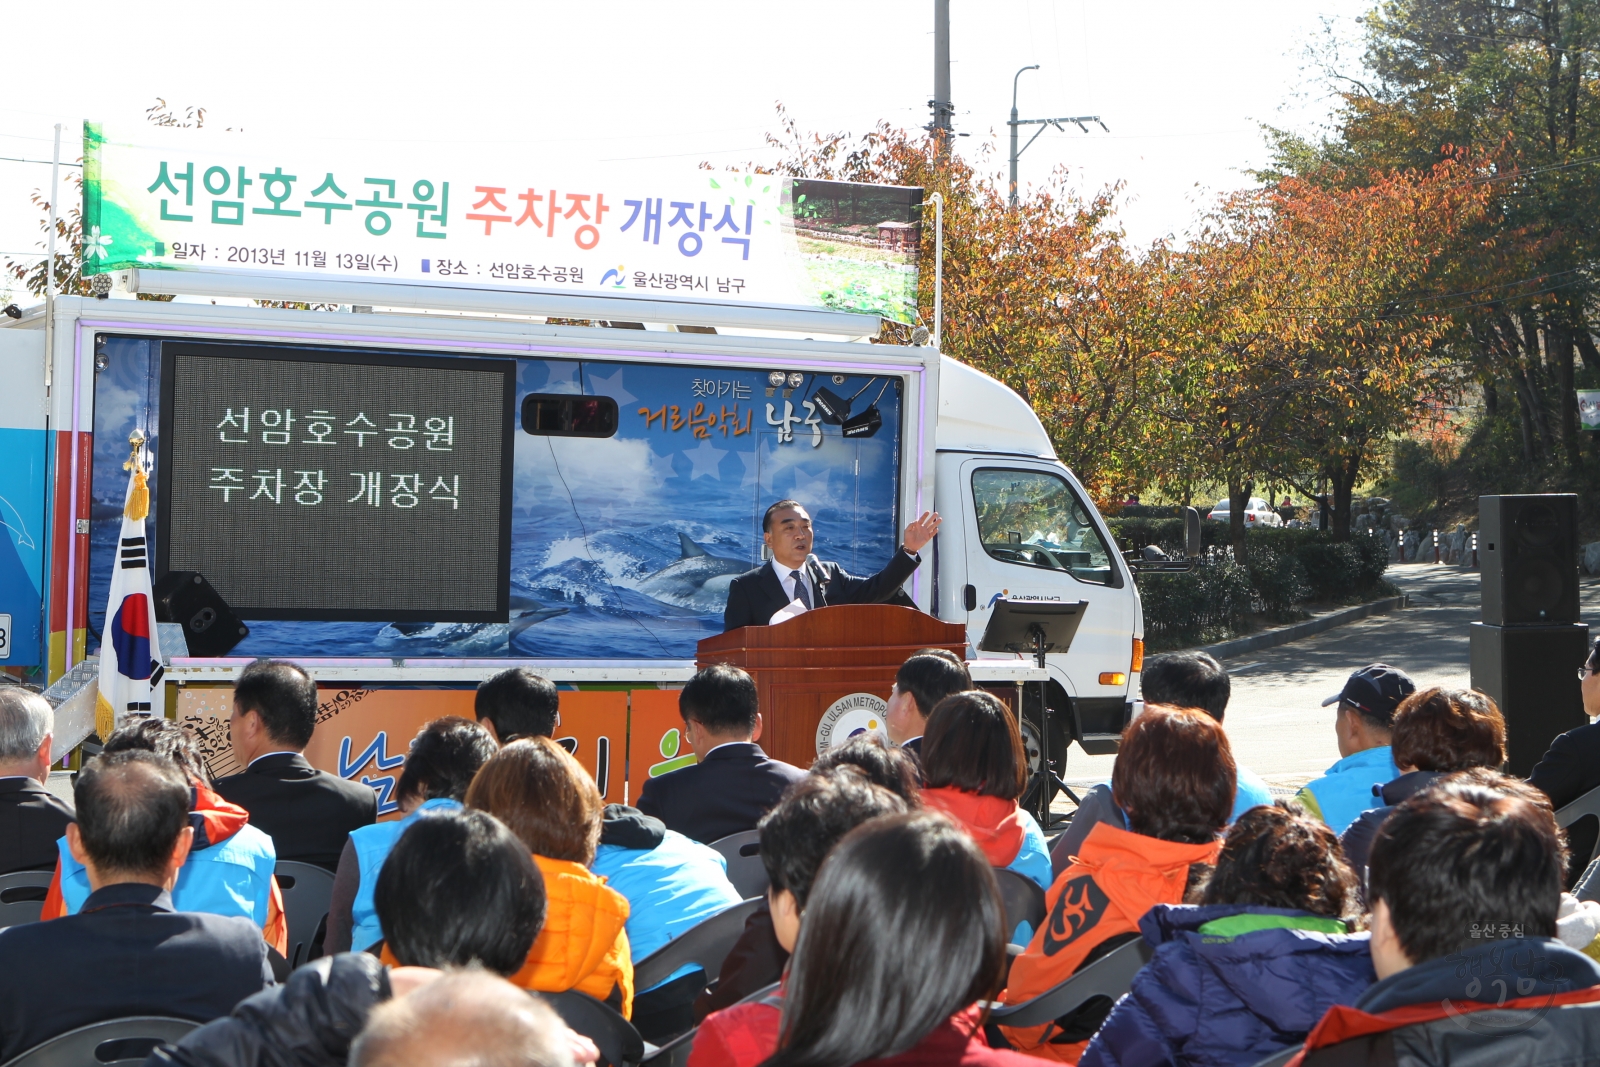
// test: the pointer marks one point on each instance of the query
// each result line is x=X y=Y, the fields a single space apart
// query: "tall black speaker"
x=1532 y=673
x=1528 y=548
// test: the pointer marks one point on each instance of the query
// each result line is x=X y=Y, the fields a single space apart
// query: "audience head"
x=1276 y=857
x=274 y=710
x=1367 y=706
x=467 y=1018
x=1589 y=683
x=920 y=683
x=904 y=928
x=883 y=764
x=26 y=723
x=797 y=835
x=133 y=819
x=165 y=738
x=459 y=888
x=444 y=756
x=545 y=797
x=1186 y=680
x=1475 y=846
x=718 y=705
x=1174 y=775
x=517 y=703
x=973 y=744
x=1448 y=730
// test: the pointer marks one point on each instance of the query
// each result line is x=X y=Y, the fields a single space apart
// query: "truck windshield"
x=1034 y=519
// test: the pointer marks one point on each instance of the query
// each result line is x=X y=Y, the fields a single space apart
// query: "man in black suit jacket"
x=795 y=574
x=308 y=813
x=735 y=783
x=126 y=952
x=32 y=819
x=1571 y=767
x=924 y=679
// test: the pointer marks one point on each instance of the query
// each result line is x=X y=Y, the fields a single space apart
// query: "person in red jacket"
x=902 y=944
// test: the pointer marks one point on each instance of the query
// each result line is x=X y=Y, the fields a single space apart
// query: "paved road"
x=1275 y=721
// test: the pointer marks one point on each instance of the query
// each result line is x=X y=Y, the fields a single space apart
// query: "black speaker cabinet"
x=1532 y=673
x=209 y=625
x=1528 y=549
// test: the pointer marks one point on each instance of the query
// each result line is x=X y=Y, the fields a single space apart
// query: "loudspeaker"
x=1528 y=549
x=1532 y=674
x=209 y=624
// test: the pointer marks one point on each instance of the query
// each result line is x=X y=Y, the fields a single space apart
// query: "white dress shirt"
x=786 y=579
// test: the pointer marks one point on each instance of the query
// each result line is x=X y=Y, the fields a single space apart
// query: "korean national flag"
x=130 y=660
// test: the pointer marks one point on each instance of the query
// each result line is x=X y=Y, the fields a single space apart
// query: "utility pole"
x=1017 y=123
x=942 y=126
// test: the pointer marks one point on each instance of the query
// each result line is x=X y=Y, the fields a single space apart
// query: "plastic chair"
x=22 y=896
x=1586 y=805
x=306 y=890
x=619 y=1043
x=112 y=1043
x=745 y=869
x=675 y=1053
x=706 y=945
x=1022 y=899
x=1109 y=976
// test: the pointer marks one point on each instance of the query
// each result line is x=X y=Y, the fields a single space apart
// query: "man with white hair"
x=32 y=819
x=469 y=1017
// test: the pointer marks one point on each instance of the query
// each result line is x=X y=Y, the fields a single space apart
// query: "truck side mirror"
x=1191 y=533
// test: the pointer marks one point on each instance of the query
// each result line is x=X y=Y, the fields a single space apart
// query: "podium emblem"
x=857 y=713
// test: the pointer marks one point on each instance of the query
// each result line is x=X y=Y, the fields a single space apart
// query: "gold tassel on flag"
x=139 y=496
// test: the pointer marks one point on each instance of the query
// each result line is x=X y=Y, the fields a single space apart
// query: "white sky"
x=1183 y=84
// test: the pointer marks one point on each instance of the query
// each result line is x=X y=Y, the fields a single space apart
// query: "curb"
x=1282 y=635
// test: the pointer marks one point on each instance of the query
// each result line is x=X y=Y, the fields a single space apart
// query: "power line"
x=46 y=162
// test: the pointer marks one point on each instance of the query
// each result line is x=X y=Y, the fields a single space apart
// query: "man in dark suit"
x=517 y=703
x=794 y=574
x=922 y=681
x=308 y=813
x=32 y=819
x=735 y=783
x=1571 y=767
x=126 y=952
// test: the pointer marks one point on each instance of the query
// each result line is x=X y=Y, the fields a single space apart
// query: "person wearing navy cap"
x=1362 y=723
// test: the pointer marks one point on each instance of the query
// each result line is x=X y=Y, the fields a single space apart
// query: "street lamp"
x=1015 y=123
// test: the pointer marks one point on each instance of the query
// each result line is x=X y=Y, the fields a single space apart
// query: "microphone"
x=818 y=577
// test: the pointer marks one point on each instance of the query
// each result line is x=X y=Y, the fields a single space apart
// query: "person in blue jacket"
x=1249 y=971
x=1363 y=723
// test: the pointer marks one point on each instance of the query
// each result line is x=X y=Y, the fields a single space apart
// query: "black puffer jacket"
x=309 y=1021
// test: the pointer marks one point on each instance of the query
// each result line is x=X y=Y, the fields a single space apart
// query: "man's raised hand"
x=921 y=531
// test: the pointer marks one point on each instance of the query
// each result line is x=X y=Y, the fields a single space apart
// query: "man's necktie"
x=800 y=591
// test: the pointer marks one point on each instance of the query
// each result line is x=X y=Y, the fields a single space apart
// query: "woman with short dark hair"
x=973 y=770
x=1174 y=777
x=1251 y=970
x=444 y=756
x=550 y=802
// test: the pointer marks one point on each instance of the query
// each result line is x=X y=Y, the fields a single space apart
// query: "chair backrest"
x=306 y=890
x=22 y=896
x=745 y=869
x=1022 y=898
x=675 y=1053
x=1109 y=976
x=1586 y=805
x=619 y=1043
x=112 y=1043
x=705 y=944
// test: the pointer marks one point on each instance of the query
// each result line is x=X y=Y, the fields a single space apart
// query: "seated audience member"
x=734 y=783
x=1571 y=766
x=1174 y=778
x=229 y=867
x=517 y=704
x=921 y=682
x=1436 y=731
x=457 y=890
x=127 y=950
x=890 y=766
x=974 y=768
x=550 y=802
x=1465 y=881
x=1250 y=971
x=308 y=813
x=796 y=837
x=444 y=756
x=32 y=818
x=1362 y=725
x=903 y=940
x=465 y=1018
x=1180 y=680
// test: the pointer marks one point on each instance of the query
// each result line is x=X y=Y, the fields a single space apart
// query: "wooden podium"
x=836 y=662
